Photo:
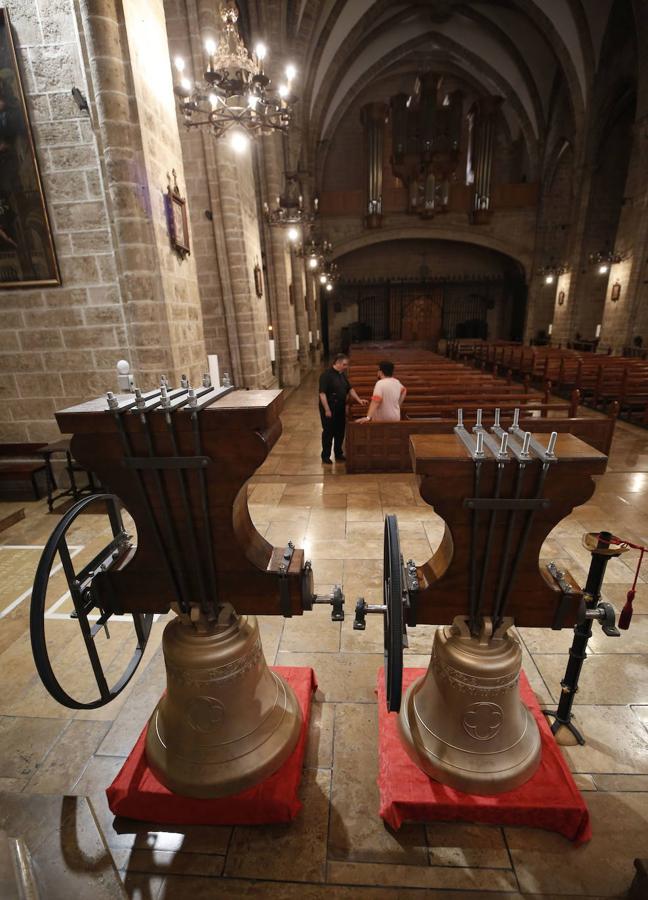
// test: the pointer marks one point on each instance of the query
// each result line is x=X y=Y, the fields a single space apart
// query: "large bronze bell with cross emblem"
x=179 y=460
x=465 y=716
x=500 y=492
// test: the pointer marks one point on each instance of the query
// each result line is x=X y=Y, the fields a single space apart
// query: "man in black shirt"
x=333 y=389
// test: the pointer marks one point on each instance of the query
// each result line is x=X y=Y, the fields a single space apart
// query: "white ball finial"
x=123 y=367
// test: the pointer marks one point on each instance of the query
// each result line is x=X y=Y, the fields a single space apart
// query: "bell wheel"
x=70 y=632
x=393 y=619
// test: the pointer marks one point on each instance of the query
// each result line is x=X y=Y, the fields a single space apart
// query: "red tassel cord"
x=626 y=613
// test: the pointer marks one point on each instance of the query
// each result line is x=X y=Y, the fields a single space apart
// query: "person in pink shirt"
x=387 y=398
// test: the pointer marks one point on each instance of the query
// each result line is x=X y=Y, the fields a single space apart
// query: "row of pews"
x=437 y=387
x=601 y=380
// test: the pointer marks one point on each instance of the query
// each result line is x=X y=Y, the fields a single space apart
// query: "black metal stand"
x=578 y=650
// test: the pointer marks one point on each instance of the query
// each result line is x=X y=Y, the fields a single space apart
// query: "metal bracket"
x=475 y=448
x=284 y=585
x=412 y=588
x=505 y=503
x=559 y=577
x=166 y=462
x=336 y=600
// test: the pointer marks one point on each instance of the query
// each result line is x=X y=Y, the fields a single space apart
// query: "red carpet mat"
x=137 y=794
x=549 y=800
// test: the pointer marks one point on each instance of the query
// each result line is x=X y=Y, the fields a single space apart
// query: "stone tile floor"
x=338 y=847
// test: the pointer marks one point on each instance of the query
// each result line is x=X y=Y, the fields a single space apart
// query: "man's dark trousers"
x=333 y=432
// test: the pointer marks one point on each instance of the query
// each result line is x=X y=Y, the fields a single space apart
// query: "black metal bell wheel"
x=394 y=625
x=92 y=619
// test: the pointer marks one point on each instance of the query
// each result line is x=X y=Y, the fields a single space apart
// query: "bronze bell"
x=463 y=722
x=226 y=721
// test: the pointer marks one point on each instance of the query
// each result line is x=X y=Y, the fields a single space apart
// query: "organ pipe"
x=373 y=117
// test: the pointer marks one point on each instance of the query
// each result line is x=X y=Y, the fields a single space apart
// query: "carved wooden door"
x=422 y=316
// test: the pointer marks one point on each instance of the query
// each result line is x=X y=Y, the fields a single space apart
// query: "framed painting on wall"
x=27 y=257
x=177 y=222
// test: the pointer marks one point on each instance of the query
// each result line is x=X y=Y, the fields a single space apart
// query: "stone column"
x=230 y=245
x=301 y=314
x=627 y=316
x=187 y=27
x=313 y=317
x=130 y=195
x=278 y=263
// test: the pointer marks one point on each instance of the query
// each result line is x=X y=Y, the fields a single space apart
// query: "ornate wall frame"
x=177 y=221
x=27 y=254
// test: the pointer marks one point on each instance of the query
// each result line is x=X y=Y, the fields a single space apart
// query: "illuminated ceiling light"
x=323 y=279
x=606 y=258
x=291 y=72
x=247 y=101
x=239 y=141
x=329 y=286
x=312 y=262
x=293 y=234
x=179 y=63
x=551 y=271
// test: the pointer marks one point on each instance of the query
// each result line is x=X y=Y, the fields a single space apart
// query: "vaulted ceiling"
x=526 y=51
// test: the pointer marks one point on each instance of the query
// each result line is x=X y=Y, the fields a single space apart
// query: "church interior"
x=263 y=633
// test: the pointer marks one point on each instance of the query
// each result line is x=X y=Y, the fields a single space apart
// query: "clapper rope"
x=626 y=613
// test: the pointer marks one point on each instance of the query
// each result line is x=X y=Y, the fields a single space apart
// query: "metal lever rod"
x=519 y=451
x=474 y=447
x=546 y=454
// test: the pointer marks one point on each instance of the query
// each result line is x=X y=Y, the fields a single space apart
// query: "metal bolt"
x=526 y=443
x=460 y=418
x=552 y=443
x=516 y=418
x=497 y=418
x=479 y=419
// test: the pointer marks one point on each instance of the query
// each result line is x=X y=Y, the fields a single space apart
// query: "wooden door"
x=422 y=316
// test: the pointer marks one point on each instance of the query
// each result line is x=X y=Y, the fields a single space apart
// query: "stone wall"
x=124 y=292
x=156 y=108
x=60 y=344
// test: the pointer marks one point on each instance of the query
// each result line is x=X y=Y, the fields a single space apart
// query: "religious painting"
x=27 y=257
x=177 y=222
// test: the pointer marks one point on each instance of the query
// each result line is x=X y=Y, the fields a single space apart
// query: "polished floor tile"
x=338 y=848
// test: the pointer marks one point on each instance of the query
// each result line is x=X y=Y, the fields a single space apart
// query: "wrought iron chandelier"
x=551 y=271
x=289 y=207
x=328 y=276
x=606 y=258
x=234 y=95
x=316 y=253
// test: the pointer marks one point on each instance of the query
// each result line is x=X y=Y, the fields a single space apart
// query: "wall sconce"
x=616 y=291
